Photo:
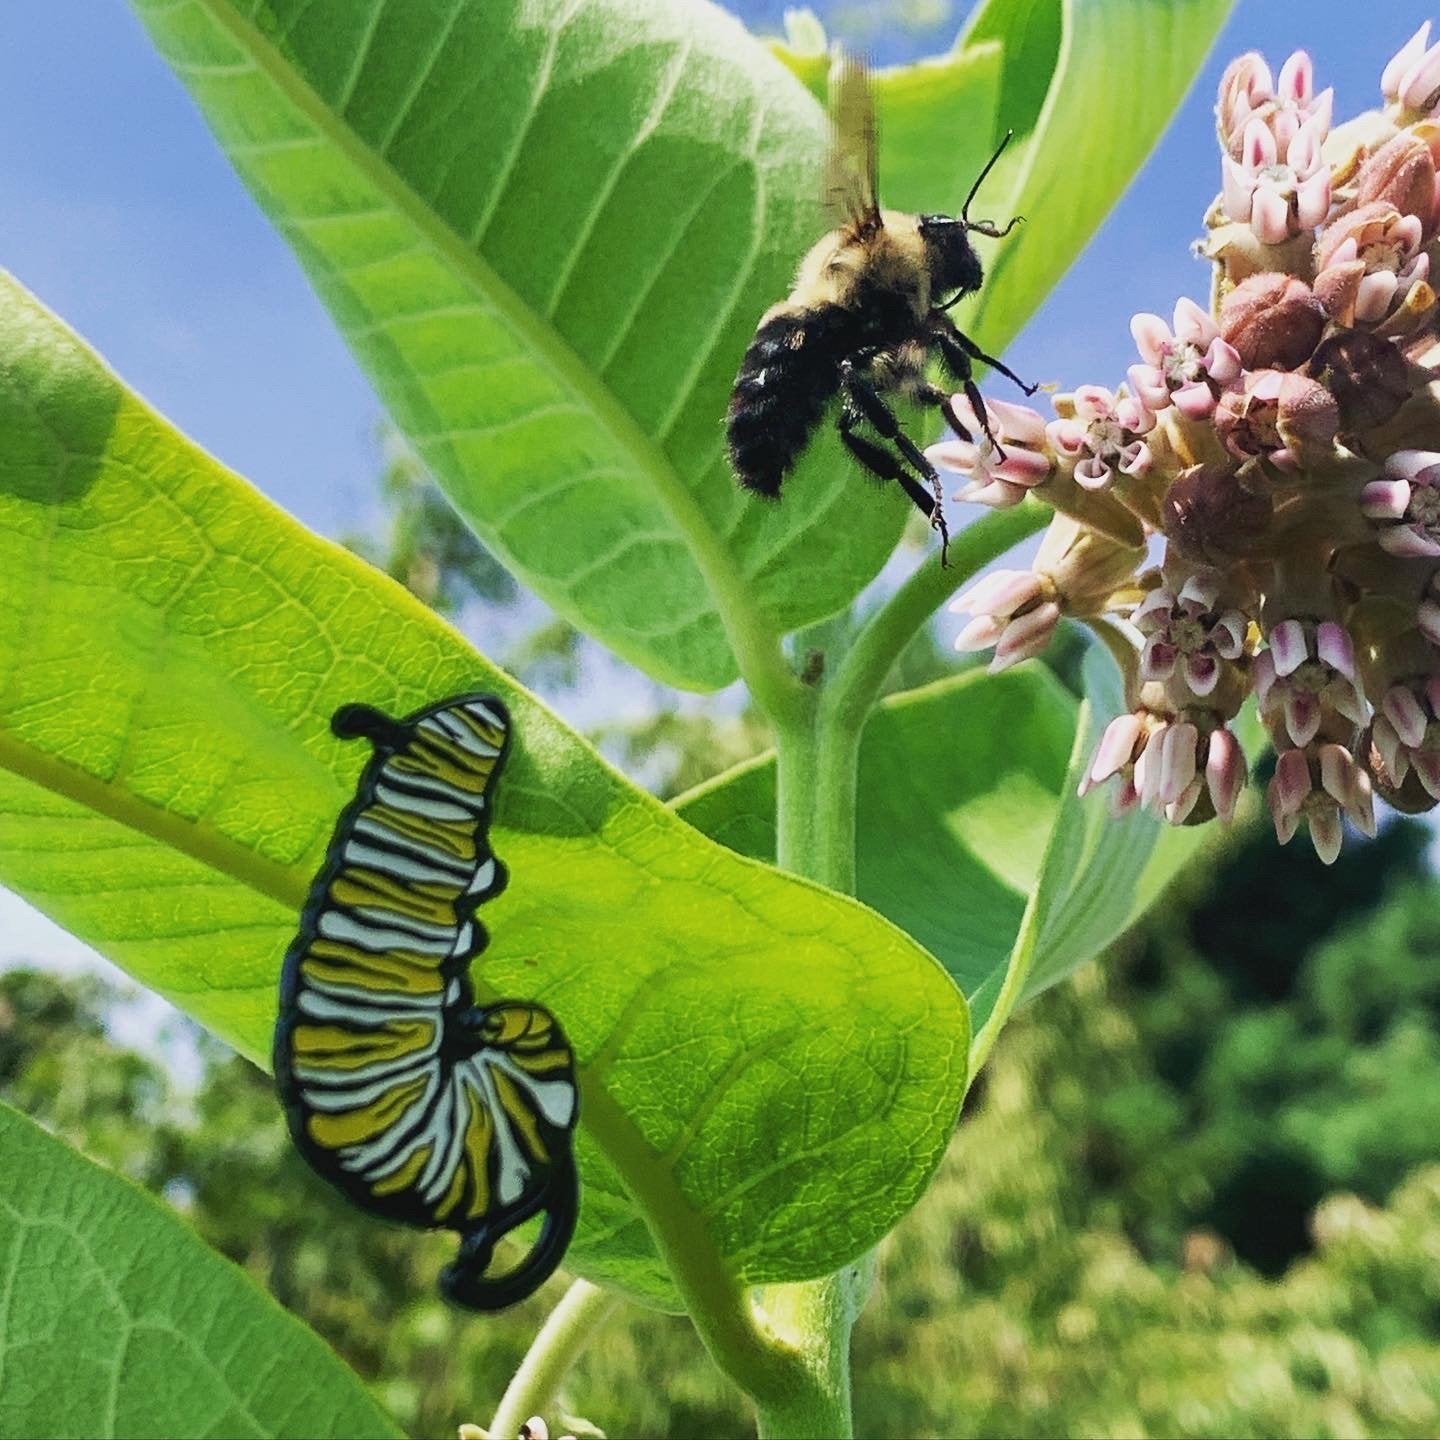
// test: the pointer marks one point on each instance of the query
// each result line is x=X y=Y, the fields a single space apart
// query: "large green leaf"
x=769 y=1070
x=1089 y=86
x=547 y=229
x=117 y=1319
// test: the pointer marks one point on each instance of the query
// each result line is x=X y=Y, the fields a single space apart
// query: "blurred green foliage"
x=1249 y=1087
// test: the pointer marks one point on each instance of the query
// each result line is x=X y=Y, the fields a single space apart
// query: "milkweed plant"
x=546 y=232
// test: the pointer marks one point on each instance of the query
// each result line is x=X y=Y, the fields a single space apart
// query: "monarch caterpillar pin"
x=417 y=1103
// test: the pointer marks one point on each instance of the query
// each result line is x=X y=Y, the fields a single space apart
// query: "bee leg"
x=872 y=406
x=957 y=361
x=862 y=402
x=934 y=395
x=952 y=337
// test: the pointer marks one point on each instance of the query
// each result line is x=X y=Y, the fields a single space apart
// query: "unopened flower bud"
x=1211 y=518
x=1015 y=611
x=1365 y=373
x=1245 y=86
x=1283 y=106
x=1401 y=173
x=1272 y=320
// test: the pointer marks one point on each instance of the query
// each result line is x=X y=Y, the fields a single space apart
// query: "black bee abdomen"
x=789 y=373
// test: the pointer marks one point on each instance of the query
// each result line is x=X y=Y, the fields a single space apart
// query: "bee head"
x=954 y=265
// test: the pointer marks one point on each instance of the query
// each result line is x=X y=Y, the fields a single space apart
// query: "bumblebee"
x=868 y=310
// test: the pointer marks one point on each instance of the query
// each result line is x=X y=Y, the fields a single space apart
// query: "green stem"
x=853 y=690
x=816 y=783
x=815 y=779
x=817 y=768
x=815 y=1319
x=566 y=1332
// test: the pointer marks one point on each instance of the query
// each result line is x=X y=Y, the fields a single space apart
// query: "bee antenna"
x=980 y=178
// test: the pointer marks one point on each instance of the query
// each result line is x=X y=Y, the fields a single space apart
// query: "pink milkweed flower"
x=1188 y=366
x=1369 y=262
x=1323 y=788
x=1406 y=732
x=1247 y=92
x=1104 y=435
x=1121 y=754
x=1307 y=675
x=1280 y=190
x=1014 y=610
x=1194 y=761
x=1412 y=78
x=1165 y=764
x=1186 y=632
x=1405 y=505
x=998 y=480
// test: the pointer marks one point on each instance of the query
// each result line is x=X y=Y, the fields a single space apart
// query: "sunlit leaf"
x=767 y=1066
x=119 y=1320
x=548 y=229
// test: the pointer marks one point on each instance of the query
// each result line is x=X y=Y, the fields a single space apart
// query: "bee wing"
x=850 y=177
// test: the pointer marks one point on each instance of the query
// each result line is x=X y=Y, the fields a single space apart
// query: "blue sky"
x=120 y=213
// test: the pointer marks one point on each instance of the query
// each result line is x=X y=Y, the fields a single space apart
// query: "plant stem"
x=817 y=774
x=815 y=779
x=855 y=686
x=566 y=1332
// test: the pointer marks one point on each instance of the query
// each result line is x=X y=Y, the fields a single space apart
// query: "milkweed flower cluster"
x=1278 y=452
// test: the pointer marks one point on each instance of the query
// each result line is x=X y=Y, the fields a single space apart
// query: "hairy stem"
x=855 y=687
x=816 y=783
x=567 y=1330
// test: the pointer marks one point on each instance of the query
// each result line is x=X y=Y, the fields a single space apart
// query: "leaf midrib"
x=750 y=634
x=285 y=884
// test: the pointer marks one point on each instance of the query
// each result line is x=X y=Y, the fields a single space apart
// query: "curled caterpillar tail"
x=464 y=1281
